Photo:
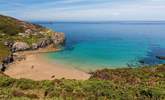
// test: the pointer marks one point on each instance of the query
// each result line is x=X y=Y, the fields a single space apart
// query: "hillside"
x=147 y=83
x=17 y=35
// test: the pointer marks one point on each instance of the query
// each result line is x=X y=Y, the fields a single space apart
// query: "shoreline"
x=36 y=67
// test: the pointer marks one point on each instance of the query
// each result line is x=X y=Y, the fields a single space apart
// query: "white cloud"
x=65 y=10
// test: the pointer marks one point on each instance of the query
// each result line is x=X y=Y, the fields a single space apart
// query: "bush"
x=6 y=82
x=92 y=89
x=26 y=84
x=17 y=93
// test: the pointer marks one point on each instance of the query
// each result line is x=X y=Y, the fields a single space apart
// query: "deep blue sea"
x=109 y=45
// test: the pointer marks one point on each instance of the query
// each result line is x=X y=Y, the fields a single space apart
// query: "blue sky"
x=84 y=10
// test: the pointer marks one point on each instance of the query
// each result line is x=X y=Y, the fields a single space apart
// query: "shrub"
x=26 y=84
x=6 y=82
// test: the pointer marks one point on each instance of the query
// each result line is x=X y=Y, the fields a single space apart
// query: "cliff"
x=17 y=35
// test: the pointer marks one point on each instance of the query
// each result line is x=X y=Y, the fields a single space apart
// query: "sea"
x=116 y=44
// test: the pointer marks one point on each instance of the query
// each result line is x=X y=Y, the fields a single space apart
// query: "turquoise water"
x=109 y=45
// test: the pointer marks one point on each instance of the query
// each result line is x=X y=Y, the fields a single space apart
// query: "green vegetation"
x=30 y=39
x=119 y=84
x=10 y=29
x=132 y=75
x=4 y=51
x=9 y=26
x=14 y=30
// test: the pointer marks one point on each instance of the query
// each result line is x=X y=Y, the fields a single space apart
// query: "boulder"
x=20 y=46
x=2 y=67
x=58 y=38
x=8 y=43
x=8 y=59
x=34 y=46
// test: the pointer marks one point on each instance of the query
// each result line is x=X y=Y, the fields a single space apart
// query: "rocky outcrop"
x=20 y=46
x=58 y=38
x=8 y=59
x=44 y=42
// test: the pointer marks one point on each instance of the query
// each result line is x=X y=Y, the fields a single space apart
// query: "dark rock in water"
x=160 y=57
x=141 y=61
x=20 y=46
x=154 y=56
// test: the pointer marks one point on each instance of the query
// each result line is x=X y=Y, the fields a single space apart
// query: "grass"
x=96 y=88
x=9 y=26
x=132 y=75
x=9 y=29
x=4 y=51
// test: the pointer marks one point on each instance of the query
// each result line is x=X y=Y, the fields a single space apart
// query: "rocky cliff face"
x=20 y=46
x=20 y=35
x=58 y=38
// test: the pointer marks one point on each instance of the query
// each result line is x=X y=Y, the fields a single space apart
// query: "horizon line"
x=114 y=21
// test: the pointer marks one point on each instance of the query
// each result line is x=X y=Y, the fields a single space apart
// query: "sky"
x=84 y=10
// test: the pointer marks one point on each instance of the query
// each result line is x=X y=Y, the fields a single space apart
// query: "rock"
x=58 y=38
x=8 y=43
x=23 y=34
x=2 y=67
x=28 y=31
x=53 y=76
x=141 y=61
x=8 y=59
x=18 y=57
x=161 y=57
x=44 y=42
x=34 y=46
x=20 y=46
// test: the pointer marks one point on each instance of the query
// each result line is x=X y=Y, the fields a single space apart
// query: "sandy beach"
x=36 y=67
